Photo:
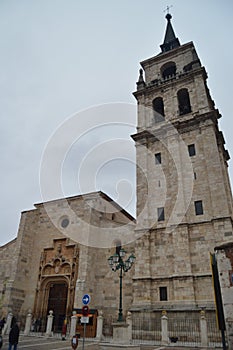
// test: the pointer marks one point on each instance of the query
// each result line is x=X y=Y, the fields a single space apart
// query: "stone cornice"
x=167 y=55
x=204 y=222
x=151 y=87
x=180 y=125
x=177 y=277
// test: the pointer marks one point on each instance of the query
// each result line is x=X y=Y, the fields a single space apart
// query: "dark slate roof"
x=170 y=40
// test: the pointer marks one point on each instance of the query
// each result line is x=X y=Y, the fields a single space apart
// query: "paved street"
x=42 y=343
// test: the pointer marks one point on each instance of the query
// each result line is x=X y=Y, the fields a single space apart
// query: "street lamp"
x=116 y=262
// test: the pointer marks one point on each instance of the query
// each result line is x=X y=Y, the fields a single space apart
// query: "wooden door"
x=57 y=302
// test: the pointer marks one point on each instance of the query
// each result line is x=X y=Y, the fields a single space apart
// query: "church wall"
x=35 y=233
x=37 y=230
x=206 y=182
x=209 y=183
x=102 y=284
x=179 y=260
x=7 y=258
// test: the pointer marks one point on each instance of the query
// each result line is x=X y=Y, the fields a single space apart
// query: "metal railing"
x=146 y=328
x=181 y=330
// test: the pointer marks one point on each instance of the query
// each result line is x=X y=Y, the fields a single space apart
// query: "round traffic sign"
x=86 y=299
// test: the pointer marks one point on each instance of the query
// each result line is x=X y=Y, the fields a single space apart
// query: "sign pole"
x=84 y=334
x=85 y=311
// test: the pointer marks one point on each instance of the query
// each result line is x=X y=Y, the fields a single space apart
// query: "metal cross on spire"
x=170 y=40
x=168 y=9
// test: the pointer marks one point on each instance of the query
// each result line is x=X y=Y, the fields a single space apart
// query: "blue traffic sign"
x=86 y=299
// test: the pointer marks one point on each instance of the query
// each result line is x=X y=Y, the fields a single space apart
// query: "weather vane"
x=168 y=8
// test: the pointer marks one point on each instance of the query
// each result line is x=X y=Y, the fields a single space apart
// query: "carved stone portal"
x=57 y=277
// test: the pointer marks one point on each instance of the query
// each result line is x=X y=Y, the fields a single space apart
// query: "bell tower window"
x=158 y=109
x=168 y=70
x=161 y=214
x=163 y=293
x=183 y=101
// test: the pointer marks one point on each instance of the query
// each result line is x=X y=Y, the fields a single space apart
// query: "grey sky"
x=62 y=56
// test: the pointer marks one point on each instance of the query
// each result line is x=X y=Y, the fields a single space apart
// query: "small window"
x=163 y=293
x=161 y=214
x=158 y=158
x=191 y=150
x=198 y=208
x=65 y=222
x=117 y=243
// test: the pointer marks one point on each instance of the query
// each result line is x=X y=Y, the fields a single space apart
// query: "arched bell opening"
x=158 y=109
x=183 y=101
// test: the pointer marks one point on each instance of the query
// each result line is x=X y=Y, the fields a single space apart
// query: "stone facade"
x=181 y=164
x=50 y=250
x=184 y=209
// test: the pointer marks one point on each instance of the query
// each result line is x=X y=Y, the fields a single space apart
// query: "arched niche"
x=168 y=70
x=183 y=101
x=158 y=109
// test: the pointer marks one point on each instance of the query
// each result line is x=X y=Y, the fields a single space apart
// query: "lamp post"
x=116 y=263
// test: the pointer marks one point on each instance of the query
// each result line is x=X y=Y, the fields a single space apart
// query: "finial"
x=168 y=15
x=170 y=40
x=141 y=83
x=168 y=9
x=140 y=76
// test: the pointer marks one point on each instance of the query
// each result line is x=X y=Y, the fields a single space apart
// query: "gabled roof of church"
x=170 y=41
x=88 y=196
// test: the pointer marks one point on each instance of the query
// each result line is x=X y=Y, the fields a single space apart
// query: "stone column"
x=28 y=323
x=164 y=327
x=79 y=290
x=49 y=324
x=8 y=323
x=203 y=327
x=130 y=325
x=73 y=324
x=100 y=321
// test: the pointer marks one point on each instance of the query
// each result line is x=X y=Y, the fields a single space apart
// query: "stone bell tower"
x=184 y=200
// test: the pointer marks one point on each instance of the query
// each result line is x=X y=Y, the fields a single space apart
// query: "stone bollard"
x=203 y=327
x=130 y=325
x=73 y=324
x=28 y=323
x=164 y=327
x=100 y=321
x=49 y=324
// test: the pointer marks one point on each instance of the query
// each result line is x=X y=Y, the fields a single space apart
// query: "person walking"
x=14 y=337
x=2 y=323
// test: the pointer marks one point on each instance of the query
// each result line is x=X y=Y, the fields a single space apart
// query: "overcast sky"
x=60 y=57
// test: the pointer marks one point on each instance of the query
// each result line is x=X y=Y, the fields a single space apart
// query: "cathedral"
x=184 y=210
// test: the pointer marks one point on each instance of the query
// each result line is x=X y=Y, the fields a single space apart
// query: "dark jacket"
x=2 y=322
x=14 y=334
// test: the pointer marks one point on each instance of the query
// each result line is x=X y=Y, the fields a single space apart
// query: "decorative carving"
x=57 y=263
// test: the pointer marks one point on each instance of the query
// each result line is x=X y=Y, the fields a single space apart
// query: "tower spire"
x=170 y=41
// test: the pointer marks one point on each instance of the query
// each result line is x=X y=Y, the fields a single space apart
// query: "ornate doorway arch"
x=53 y=295
x=56 y=283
